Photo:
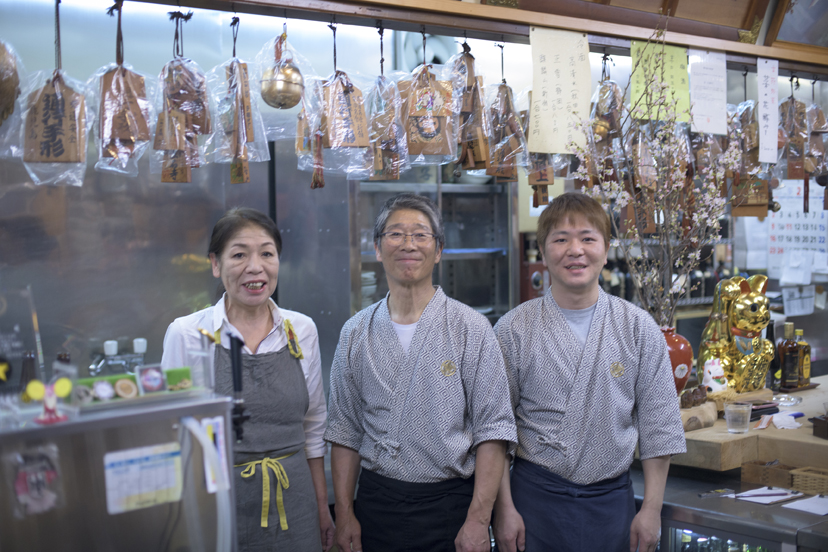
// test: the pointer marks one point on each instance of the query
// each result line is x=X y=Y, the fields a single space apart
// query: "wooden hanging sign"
x=55 y=125
x=347 y=125
x=176 y=167
x=124 y=106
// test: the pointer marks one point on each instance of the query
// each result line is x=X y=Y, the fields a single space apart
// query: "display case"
x=481 y=239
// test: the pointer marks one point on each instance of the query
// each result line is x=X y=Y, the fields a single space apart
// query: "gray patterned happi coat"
x=417 y=417
x=581 y=415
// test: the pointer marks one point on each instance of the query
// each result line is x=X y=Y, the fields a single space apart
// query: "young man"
x=419 y=398
x=590 y=379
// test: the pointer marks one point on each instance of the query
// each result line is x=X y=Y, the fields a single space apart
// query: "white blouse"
x=183 y=335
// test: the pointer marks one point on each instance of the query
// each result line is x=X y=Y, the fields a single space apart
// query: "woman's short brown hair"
x=567 y=206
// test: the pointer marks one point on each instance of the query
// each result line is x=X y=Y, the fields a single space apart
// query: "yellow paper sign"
x=671 y=68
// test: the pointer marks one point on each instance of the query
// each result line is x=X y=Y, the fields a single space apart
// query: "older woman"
x=282 y=387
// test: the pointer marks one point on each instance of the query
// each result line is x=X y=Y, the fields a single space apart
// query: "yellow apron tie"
x=281 y=481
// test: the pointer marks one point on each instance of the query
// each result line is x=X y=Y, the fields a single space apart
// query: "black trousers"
x=397 y=516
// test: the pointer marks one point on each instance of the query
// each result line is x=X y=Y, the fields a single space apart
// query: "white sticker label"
x=142 y=477
x=681 y=371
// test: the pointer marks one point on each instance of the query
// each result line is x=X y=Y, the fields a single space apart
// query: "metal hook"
x=465 y=38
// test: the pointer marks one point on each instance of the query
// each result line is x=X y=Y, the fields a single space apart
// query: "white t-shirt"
x=406 y=333
x=579 y=321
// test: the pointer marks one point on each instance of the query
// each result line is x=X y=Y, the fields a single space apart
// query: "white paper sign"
x=815 y=505
x=768 y=77
x=798 y=300
x=142 y=477
x=708 y=91
x=560 y=89
x=791 y=229
x=215 y=431
x=796 y=269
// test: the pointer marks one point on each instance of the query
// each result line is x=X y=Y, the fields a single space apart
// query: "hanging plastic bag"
x=118 y=97
x=282 y=84
x=749 y=184
x=431 y=115
x=474 y=122
x=12 y=75
x=507 y=146
x=336 y=127
x=817 y=128
x=239 y=137
x=387 y=155
x=606 y=115
x=793 y=133
x=183 y=114
x=55 y=129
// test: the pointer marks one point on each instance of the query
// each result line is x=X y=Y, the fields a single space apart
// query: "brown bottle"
x=789 y=358
x=804 y=360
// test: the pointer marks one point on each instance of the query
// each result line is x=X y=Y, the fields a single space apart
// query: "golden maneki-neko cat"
x=732 y=347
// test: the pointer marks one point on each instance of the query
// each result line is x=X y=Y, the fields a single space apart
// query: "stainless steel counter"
x=735 y=519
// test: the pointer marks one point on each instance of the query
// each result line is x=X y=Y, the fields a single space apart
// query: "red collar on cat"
x=744 y=333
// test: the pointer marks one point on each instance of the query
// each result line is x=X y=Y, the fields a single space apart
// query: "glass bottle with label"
x=774 y=376
x=804 y=359
x=789 y=358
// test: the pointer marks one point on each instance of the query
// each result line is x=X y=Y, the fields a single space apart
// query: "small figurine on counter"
x=714 y=376
x=49 y=394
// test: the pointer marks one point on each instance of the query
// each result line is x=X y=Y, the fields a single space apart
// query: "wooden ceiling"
x=711 y=18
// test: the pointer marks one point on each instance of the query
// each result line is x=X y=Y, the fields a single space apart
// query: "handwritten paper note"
x=791 y=229
x=708 y=91
x=561 y=89
x=673 y=67
x=798 y=300
x=768 y=77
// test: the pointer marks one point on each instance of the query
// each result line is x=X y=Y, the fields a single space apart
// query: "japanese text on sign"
x=708 y=91
x=673 y=69
x=768 y=76
x=561 y=87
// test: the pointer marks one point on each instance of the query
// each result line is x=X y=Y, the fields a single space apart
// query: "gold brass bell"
x=282 y=85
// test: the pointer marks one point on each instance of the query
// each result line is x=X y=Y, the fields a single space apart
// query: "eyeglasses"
x=398 y=238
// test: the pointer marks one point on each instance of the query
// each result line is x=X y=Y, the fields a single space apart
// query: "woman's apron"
x=276 y=512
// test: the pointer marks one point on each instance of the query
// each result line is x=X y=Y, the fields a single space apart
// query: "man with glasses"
x=419 y=399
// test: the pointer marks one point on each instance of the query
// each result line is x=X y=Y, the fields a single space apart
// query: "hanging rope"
x=744 y=81
x=178 y=42
x=381 y=31
x=422 y=31
x=605 y=70
x=502 y=67
x=813 y=87
x=58 y=61
x=332 y=27
x=119 y=37
x=234 y=25
x=792 y=79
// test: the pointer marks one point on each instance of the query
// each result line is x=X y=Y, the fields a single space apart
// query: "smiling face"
x=248 y=267
x=574 y=254
x=408 y=264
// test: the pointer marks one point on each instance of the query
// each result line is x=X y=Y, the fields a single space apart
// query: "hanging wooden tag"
x=239 y=84
x=175 y=167
x=303 y=135
x=750 y=197
x=347 y=124
x=239 y=171
x=124 y=106
x=542 y=172
x=185 y=90
x=540 y=196
x=170 y=131
x=55 y=125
